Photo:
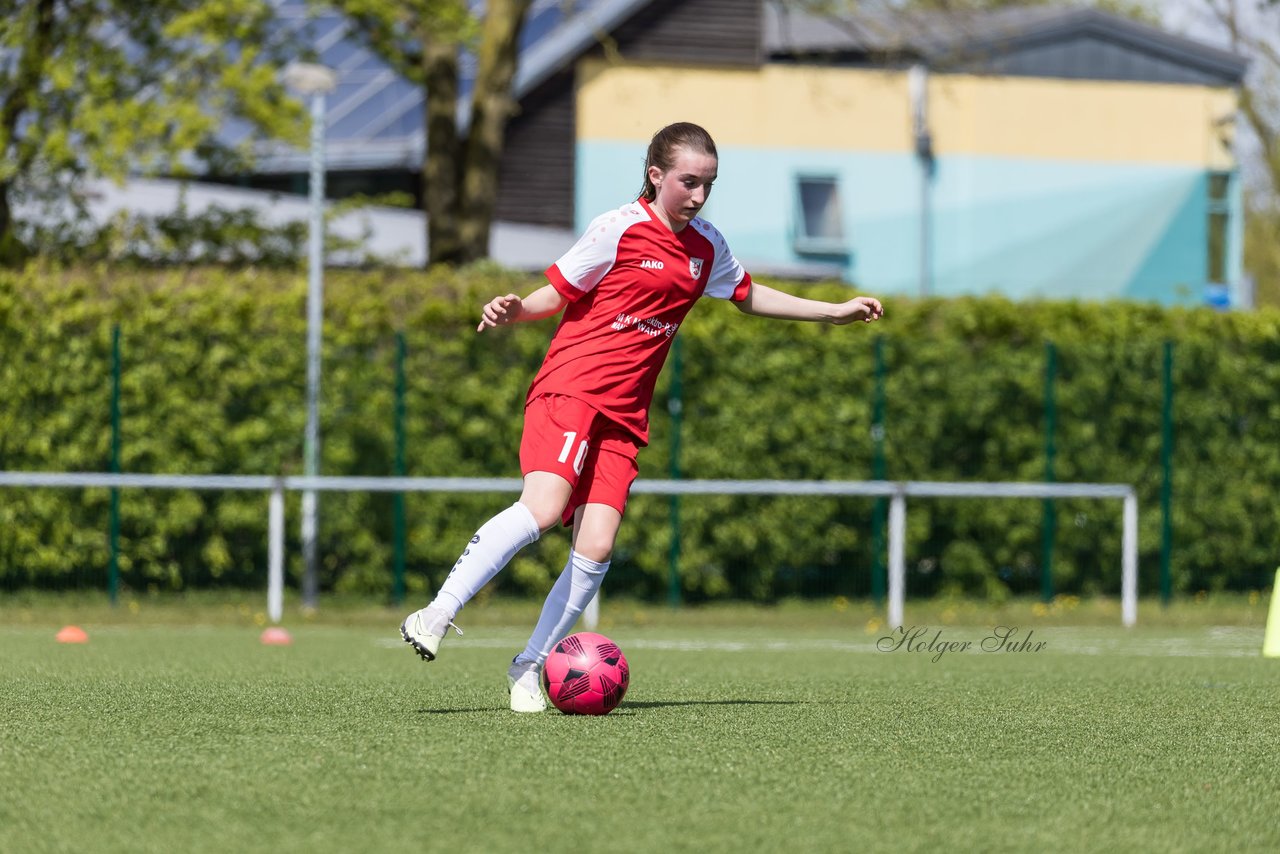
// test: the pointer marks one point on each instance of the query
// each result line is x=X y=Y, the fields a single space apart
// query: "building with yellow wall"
x=1031 y=152
x=1034 y=152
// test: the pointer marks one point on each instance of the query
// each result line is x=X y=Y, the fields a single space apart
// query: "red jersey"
x=630 y=281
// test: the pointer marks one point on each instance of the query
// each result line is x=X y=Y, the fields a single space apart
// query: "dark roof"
x=572 y=37
x=374 y=118
x=995 y=40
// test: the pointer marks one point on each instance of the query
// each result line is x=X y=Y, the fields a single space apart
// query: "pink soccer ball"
x=586 y=674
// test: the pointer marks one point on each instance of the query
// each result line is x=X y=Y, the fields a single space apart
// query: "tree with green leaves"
x=424 y=40
x=109 y=88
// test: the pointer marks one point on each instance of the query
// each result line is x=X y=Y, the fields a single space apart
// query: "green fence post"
x=113 y=566
x=1049 y=525
x=397 y=584
x=675 y=405
x=1166 y=485
x=878 y=568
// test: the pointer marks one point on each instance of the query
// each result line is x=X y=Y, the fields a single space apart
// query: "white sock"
x=577 y=583
x=493 y=546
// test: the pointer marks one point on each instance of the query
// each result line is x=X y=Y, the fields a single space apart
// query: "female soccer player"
x=624 y=287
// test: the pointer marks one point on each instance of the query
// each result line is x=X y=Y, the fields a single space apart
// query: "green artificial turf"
x=175 y=729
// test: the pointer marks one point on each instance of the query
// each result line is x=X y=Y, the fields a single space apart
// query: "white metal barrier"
x=896 y=491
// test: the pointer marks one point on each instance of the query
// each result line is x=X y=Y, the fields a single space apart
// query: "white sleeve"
x=727 y=280
x=587 y=261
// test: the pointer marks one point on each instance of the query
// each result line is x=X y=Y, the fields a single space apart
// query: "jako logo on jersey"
x=647 y=264
x=695 y=267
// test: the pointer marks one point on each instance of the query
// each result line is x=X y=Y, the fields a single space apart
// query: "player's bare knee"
x=546 y=515
x=599 y=549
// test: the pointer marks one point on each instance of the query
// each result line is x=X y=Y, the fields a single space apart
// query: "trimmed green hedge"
x=213 y=381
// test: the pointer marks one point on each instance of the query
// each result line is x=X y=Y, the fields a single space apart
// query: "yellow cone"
x=1271 y=641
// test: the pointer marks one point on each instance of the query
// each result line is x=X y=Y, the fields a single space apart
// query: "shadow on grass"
x=462 y=711
x=658 y=704
x=629 y=706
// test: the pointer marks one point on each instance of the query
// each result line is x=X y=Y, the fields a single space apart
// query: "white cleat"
x=424 y=629
x=526 y=690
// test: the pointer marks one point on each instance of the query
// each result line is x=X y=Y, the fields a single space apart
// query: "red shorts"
x=565 y=436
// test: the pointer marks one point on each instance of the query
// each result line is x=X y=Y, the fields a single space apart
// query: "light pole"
x=918 y=89
x=315 y=81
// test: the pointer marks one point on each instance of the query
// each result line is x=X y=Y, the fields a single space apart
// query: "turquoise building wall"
x=1022 y=227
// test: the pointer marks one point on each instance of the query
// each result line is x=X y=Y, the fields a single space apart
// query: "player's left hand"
x=865 y=309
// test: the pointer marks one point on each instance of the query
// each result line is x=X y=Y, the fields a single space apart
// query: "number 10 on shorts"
x=568 y=446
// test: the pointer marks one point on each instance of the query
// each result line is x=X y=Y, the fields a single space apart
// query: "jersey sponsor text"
x=648 y=325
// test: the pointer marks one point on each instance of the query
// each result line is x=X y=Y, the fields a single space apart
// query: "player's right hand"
x=499 y=311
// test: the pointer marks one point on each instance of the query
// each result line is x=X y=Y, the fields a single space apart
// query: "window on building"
x=820 y=226
x=1219 y=209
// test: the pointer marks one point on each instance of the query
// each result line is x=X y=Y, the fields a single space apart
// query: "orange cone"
x=72 y=634
x=276 y=636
